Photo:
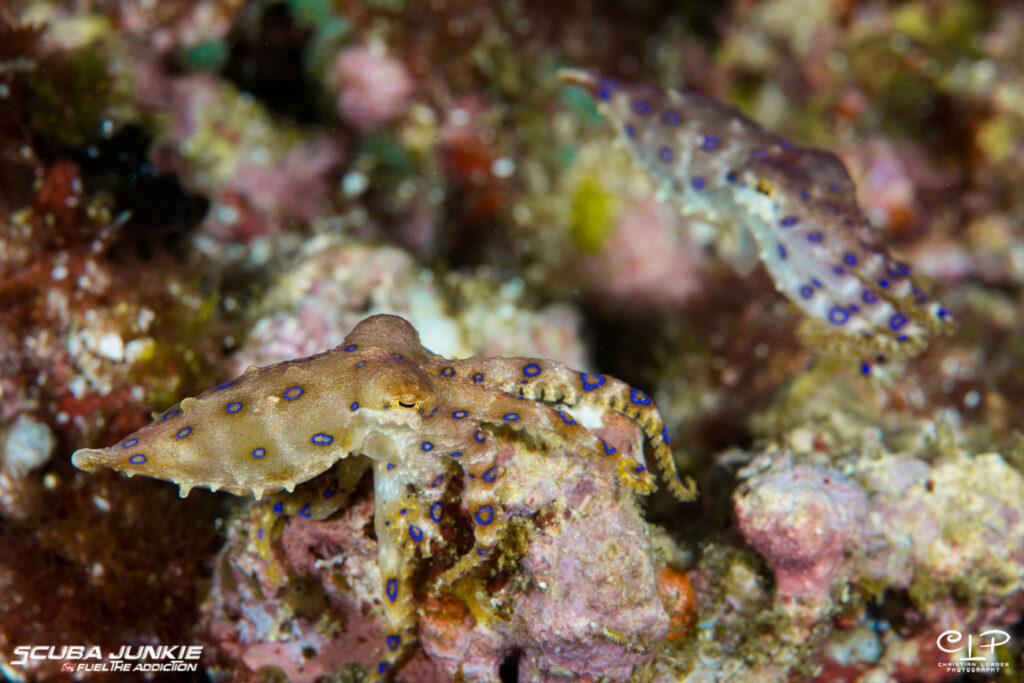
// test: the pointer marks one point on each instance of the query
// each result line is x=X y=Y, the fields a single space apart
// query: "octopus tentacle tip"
x=579 y=77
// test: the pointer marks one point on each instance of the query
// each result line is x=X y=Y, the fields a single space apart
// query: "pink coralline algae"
x=374 y=88
x=260 y=176
x=644 y=262
x=803 y=521
x=321 y=298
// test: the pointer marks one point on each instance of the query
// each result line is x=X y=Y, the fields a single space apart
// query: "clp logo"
x=952 y=641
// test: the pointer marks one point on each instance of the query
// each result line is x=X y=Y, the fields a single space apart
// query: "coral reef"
x=803 y=522
x=190 y=187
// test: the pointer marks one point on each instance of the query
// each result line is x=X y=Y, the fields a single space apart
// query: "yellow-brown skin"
x=419 y=418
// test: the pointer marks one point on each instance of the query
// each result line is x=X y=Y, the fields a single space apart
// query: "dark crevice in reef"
x=266 y=59
x=509 y=669
x=161 y=211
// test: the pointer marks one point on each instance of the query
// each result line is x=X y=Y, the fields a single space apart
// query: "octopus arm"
x=555 y=386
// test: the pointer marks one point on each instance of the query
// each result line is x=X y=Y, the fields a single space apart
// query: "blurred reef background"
x=189 y=187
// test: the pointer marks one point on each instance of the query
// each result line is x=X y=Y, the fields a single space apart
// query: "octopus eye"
x=406 y=405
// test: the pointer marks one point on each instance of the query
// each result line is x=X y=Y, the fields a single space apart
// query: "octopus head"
x=403 y=387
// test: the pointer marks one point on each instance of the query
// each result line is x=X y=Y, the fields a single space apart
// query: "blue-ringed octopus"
x=427 y=426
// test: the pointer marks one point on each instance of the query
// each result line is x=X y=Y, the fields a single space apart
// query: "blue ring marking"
x=482 y=552
x=804 y=194
x=354 y=406
x=604 y=94
x=838 y=270
x=566 y=418
x=137 y=459
x=437 y=481
x=478 y=377
x=630 y=131
x=391 y=589
x=510 y=417
x=360 y=363
x=479 y=436
x=865 y=369
x=531 y=370
x=390 y=466
x=789 y=221
x=415 y=532
x=278 y=508
x=427 y=446
x=884 y=284
x=350 y=348
x=485 y=515
x=129 y=443
x=816 y=282
x=710 y=143
x=259 y=534
x=233 y=408
x=672 y=117
x=491 y=474
x=898 y=270
x=850 y=259
x=815 y=236
x=393 y=642
x=382 y=666
x=436 y=511
x=331 y=489
x=304 y=512
x=396 y=356
x=869 y=297
x=759 y=154
x=448 y=371
x=174 y=414
x=838 y=315
x=292 y=393
x=459 y=414
x=183 y=432
x=642 y=107
x=588 y=385
x=782 y=252
x=639 y=397
x=854 y=308
x=731 y=176
x=665 y=154
x=457 y=454
x=639 y=469
x=698 y=183
x=897 y=321
x=807 y=291
x=321 y=439
x=664 y=434
x=835 y=187
x=608 y=449
x=259 y=452
x=225 y=385
x=902 y=338
x=942 y=313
